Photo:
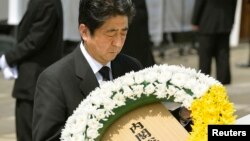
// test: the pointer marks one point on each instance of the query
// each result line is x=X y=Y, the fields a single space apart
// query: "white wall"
x=16 y=11
x=3 y=9
x=70 y=19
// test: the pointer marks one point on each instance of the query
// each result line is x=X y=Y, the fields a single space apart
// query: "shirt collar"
x=95 y=65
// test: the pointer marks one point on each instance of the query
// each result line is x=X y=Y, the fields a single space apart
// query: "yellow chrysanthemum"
x=212 y=108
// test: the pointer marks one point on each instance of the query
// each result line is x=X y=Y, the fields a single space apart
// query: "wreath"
x=204 y=96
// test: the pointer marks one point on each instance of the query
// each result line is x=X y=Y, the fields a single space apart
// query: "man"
x=103 y=25
x=214 y=20
x=39 y=44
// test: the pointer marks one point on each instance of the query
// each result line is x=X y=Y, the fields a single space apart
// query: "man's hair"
x=93 y=13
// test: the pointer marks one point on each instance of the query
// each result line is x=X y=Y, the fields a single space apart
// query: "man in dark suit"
x=138 y=43
x=39 y=44
x=213 y=19
x=103 y=25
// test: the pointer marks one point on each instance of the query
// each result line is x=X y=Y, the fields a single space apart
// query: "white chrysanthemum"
x=179 y=79
x=190 y=83
x=149 y=89
x=92 y=133
x=127 y=92
x=90 y=108
x=128 y=81
x=139 y=78
x=80 y=122
x=119 y=98
x=116 y=84
x=94 y=124
x=171 y=90
x=150 y=77
x=160 y=87
x=109 y=104
x=199 y=90
x=187 y=101
x=180 y=96
x=137 y=90
x=160 y=90
x=99 y=114
x=164 y=77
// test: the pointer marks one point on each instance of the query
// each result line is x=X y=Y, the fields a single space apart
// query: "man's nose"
x=118 y=41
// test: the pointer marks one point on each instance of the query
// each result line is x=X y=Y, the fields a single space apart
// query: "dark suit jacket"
x=39 y=44
x=214 y=16
x=137 y=43
x=63 y=86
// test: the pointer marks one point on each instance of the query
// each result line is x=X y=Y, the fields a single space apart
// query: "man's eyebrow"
x=111 y=30
x=126 y=28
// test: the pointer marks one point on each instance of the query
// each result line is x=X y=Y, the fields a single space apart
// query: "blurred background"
x=169 y=21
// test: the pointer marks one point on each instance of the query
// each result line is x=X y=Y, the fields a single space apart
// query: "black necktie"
x=104 y=71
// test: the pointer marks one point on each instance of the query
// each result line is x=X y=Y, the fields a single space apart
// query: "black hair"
x=93 y=13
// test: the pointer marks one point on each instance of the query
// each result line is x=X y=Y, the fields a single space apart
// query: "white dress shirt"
x=95 y=65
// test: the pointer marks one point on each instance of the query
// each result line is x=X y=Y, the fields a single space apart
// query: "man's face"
x=108 y=40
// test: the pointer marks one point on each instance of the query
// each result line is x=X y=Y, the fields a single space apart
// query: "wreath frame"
x=134 y=89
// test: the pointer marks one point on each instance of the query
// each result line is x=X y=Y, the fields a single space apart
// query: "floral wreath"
x=204 y=96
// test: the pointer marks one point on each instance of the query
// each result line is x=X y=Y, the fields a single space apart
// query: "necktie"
x=104 y=71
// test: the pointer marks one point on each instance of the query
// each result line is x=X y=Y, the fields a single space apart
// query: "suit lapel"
x=88 y=81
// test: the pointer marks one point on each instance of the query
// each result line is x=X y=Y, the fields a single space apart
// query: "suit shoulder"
x=60 y=67
x=129 y=60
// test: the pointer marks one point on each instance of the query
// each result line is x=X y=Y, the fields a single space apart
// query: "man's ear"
x=84 y=32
